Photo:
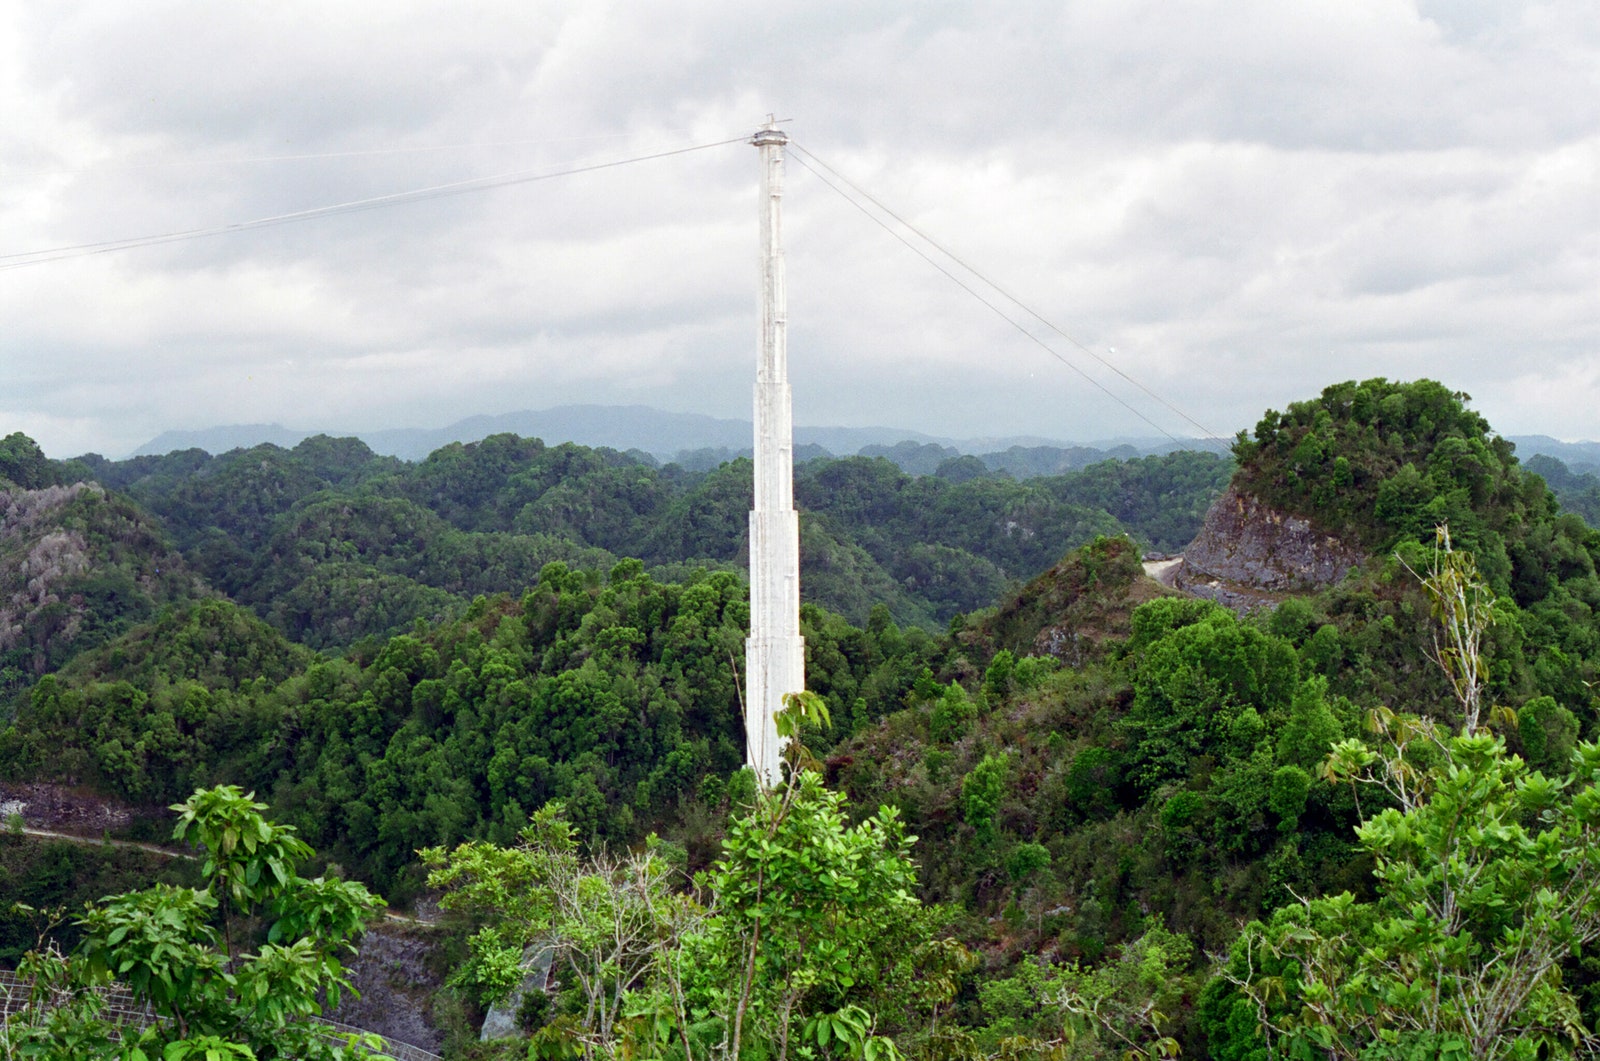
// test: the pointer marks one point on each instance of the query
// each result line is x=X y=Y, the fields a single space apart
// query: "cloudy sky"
x=1234 y=202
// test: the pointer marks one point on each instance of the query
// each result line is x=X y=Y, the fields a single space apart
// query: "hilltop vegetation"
x=78 y=566
x=1106 y=779
x=331 y=543
x=1577 y=489
x=1379 y=463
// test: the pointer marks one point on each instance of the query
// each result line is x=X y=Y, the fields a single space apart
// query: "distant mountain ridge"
x=1572 y=454
x=663 y=435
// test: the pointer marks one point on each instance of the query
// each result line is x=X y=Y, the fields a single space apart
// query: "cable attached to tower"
x=833 y=179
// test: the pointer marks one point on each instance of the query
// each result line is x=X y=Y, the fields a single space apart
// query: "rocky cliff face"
x=1247 y=555
x=78 y=566
x=394 y=974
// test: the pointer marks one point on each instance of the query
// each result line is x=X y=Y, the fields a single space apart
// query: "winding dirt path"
x=105 y=842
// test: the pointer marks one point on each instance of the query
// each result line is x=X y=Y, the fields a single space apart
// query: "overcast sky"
x=1235 y=202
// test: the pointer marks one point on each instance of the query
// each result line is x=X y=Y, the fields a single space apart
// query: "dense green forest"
x=331 y=544
x=1579 y=490
x=1142 y=822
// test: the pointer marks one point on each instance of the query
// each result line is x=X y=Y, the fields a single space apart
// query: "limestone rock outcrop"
x=1248 y=554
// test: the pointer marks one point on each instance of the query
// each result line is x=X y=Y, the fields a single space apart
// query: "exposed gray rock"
x=501 y=1020
x=1164 y=569
x=65 y=809
x=392 y=972
x=1248 y=555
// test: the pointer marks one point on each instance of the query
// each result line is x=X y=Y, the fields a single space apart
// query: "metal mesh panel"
x=120 y=1007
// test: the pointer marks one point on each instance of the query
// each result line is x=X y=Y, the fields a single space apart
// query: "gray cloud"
x=1248 y=201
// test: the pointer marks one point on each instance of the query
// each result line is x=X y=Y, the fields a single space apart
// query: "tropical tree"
x=1488 y=876
x=213 y=997
x=600 y=921
x=782 y=949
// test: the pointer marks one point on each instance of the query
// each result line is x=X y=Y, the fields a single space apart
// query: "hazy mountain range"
x=707 y=440
x=663 y=435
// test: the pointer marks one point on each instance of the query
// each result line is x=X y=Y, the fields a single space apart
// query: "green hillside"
x=78 y=566
x=331 y=543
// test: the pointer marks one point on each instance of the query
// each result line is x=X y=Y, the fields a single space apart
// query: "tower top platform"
x=770 y=134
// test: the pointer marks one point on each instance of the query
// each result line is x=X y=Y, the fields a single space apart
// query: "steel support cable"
x=969 y=289
x=310 y=156
x=1207 y=434
x=23 y=259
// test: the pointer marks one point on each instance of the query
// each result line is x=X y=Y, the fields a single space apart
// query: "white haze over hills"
x=668 y=436
x=663 y=435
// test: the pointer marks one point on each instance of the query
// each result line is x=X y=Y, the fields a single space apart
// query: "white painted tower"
x=774 y=654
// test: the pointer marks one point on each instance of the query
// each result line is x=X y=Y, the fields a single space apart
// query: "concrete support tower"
x=774 y=655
